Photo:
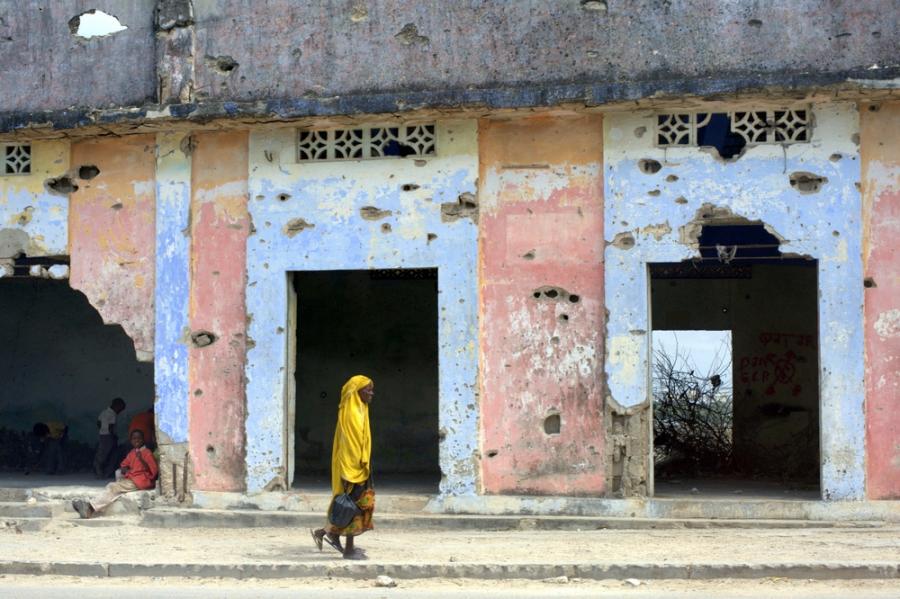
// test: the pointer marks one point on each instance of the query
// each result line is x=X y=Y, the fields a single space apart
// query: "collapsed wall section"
x=541 y=271
x=112 y=187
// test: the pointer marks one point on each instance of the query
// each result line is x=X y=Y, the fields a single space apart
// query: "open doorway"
x=742 y=417
x=384 y=324
x=59 y=365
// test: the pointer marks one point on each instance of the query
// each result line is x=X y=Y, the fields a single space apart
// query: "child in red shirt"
x=138 y=470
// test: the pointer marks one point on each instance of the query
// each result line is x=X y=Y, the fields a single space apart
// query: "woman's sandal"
x=335 y=544
x=316 y=539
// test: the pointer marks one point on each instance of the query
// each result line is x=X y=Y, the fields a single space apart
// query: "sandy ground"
x=24 y=587
x=66 y=541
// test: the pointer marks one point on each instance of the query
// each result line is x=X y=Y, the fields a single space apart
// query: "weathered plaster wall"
x=112 y=232
x=541 y=268
x=44 y=66
x=329 y=196
x=219 y=228
x=291 y=58
x=329 y=51
x=825 y=225
x=173 y=248
x=33 y=221
x=880 y=133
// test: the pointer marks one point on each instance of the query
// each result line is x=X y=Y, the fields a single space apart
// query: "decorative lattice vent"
x=16 y=159
x=364 y=143
x=753 y=126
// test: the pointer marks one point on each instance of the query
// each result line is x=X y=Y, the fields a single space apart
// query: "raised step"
x=24 y=524
x=21 y=509
x=211 y=518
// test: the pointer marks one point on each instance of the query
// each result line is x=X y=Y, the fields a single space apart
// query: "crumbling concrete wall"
x=218 y=321
x=34 y=221
x=651 y=216
x=880 y=150
x=290 y=58
x=44 y=66
x=111 y=186
x=541 y=271
x=310 y=49
x=320 y=216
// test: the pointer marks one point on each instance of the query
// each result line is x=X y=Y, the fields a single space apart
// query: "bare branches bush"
x=692 y=413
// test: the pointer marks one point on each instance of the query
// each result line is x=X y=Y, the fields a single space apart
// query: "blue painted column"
x=173 y=247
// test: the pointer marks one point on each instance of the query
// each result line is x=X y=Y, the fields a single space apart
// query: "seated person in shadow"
x=46 y=447
x=137 y=472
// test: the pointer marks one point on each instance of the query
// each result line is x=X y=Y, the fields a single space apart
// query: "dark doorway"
x=383 y=324
x=60 y=363
x=740 y=283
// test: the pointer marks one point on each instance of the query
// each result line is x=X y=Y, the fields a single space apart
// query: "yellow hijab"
x=352 y=448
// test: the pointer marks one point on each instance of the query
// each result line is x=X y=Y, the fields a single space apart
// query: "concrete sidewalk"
x=66 y=548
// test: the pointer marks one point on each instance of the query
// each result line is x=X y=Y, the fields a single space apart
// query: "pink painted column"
x=880 y=154
x=219 y=228
x=542 y=310
x=112 y=232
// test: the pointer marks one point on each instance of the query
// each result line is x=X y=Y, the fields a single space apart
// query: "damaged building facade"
x=489 y=208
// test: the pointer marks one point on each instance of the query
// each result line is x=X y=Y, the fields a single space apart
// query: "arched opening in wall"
x=736 y=369
x=60 y=367
x=383 y=324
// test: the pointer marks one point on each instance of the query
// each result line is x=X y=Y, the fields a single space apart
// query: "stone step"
x=296 y=501
x=24 y=524
x=21 y=509
x=213 y=518
x=14 y=494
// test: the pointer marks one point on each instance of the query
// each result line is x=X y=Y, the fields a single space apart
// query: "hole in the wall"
x=869 y=283
x=554 y=340
x=61 y=185
x=88 y=172
x=874 y=107
x=431 y=237
x=203 y=338
x=754 y=23
x=654 y=193
x=198 y=392
x=672 y=178
x=95 y=23
x=564 y=318
x=296 y=225
x=374 y=213
x=529 y=255
x=552 y=424
x=574 y=298
x=648 y=166
x=681 y=200
x=835 y=157
x=283 y=197
x=491 y=453
x=806 y=182
x=594 y=5
x=409 y=187
x=210 y=450
x=718 y=134
x=223 y=65
x=386 y=228
x=553 y=294
x=640 y=132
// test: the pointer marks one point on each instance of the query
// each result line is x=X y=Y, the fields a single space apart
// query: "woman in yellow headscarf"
x=351 y=466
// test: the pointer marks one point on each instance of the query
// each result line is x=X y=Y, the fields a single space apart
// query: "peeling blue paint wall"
x=328 y=196
x=173 y=246
x=823 y=225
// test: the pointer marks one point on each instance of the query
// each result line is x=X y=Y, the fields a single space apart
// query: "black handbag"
x=343 y=510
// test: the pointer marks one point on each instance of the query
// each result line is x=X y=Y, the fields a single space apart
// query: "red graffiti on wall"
x=798 y=339
x=772 y=369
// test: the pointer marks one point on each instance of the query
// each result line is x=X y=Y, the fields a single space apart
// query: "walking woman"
x=353 y=496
